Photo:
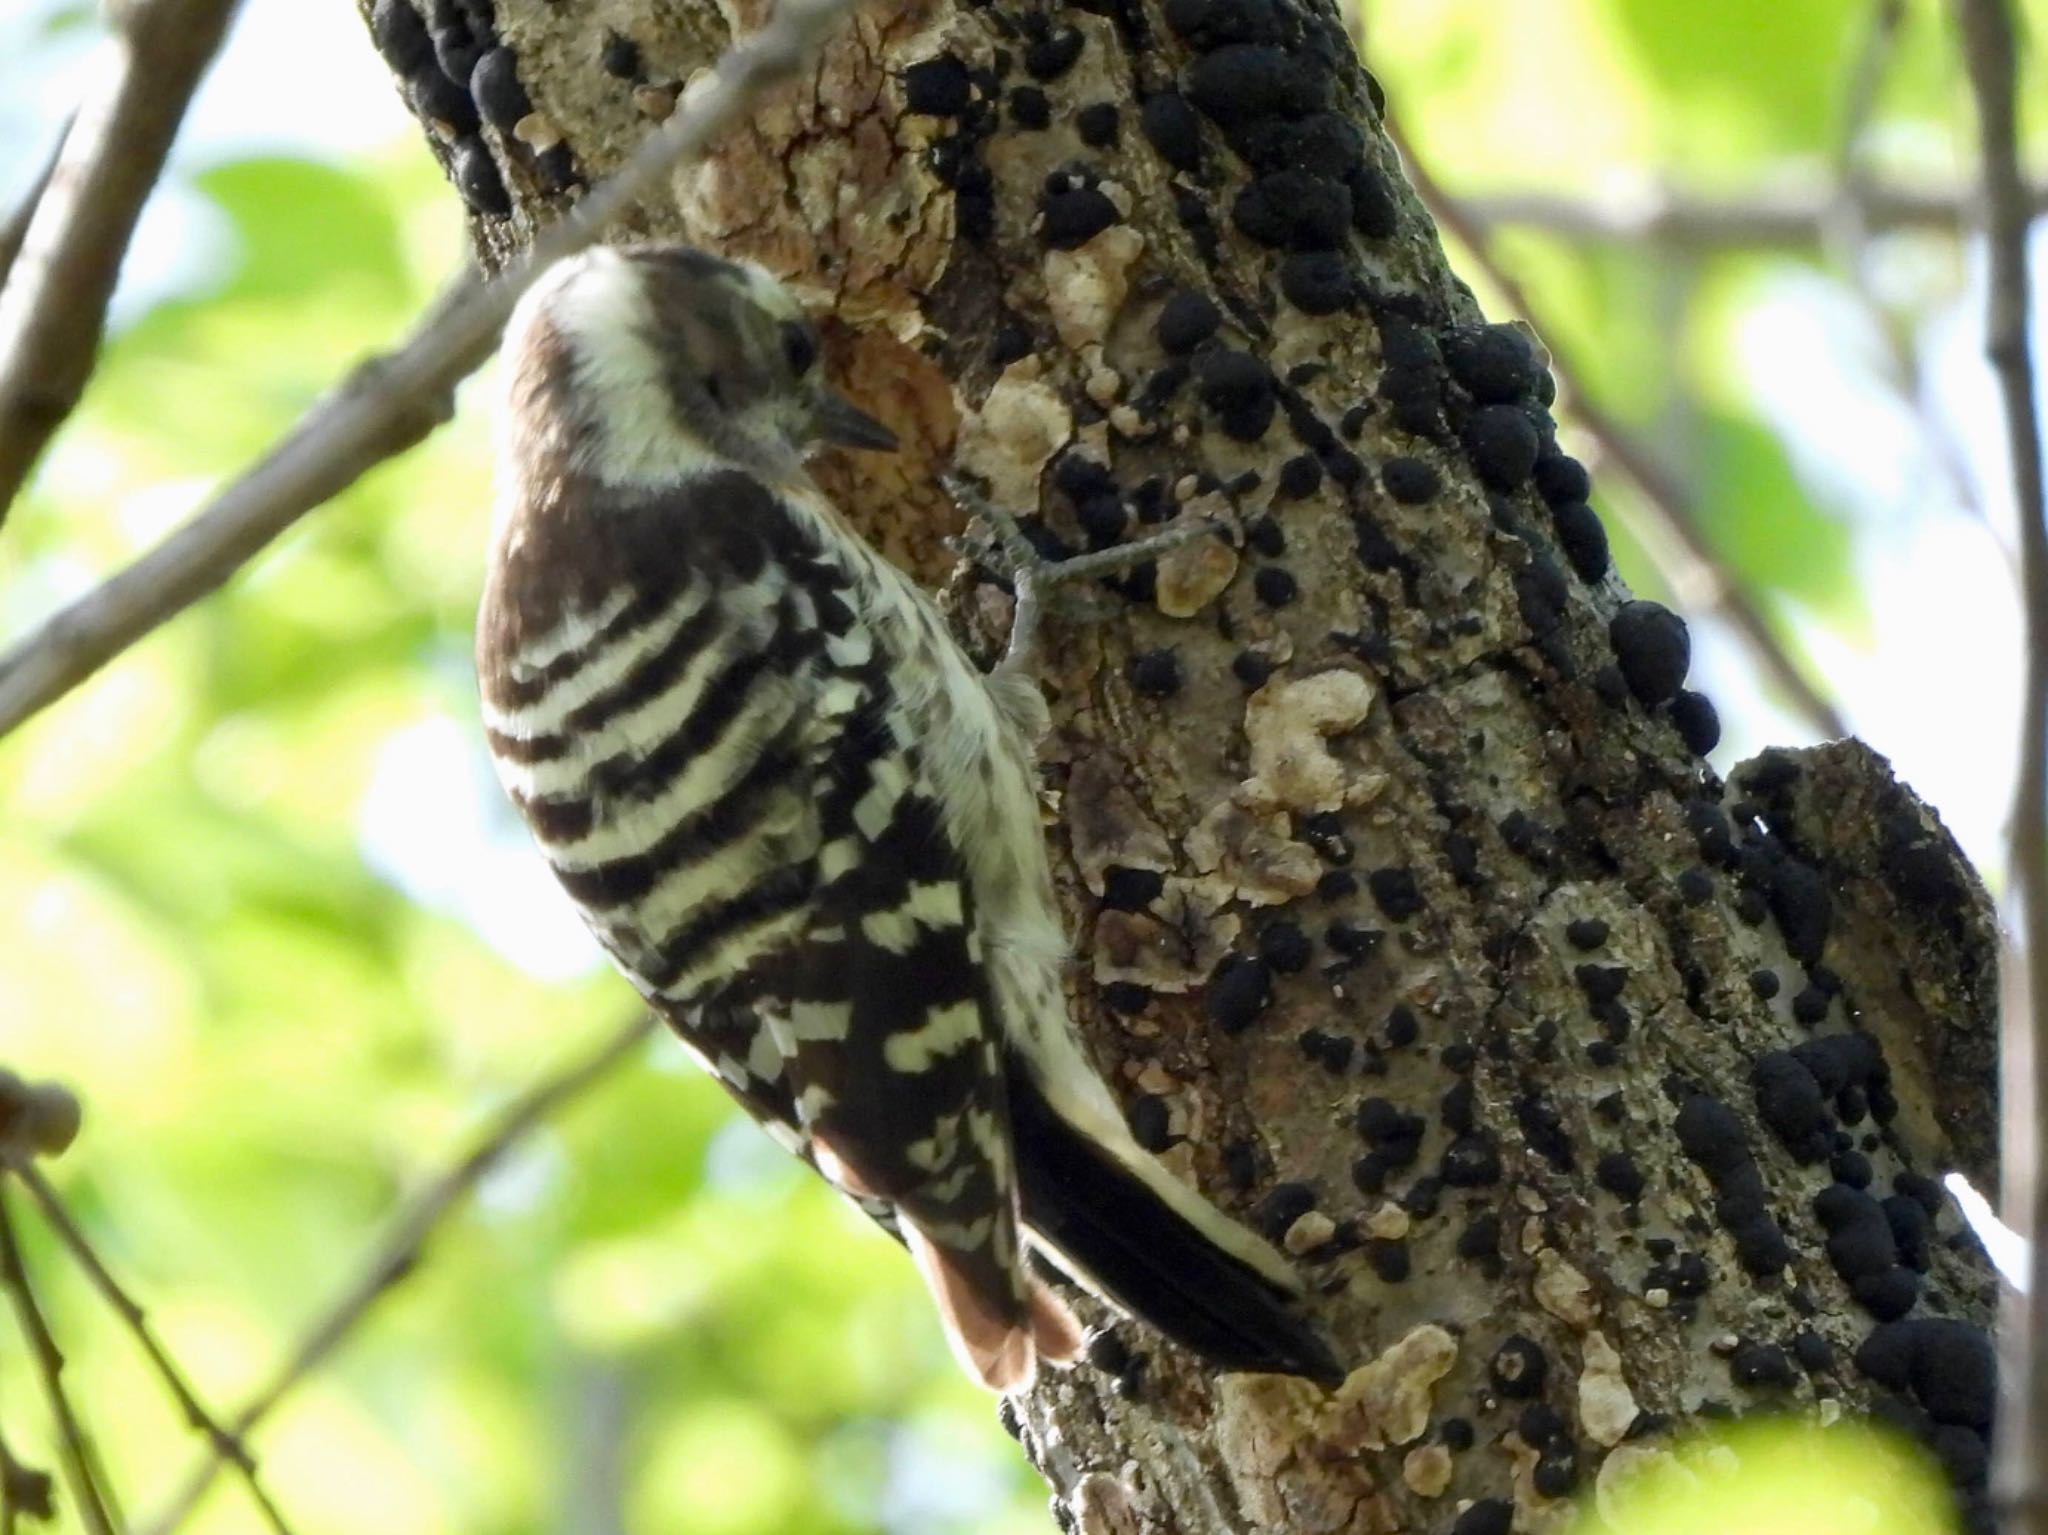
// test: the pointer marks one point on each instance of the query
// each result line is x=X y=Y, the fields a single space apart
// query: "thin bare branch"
x=15 y=229
x=224 y=1444
x=1846 y=223
x=25 y=1492
x=1774 y=217
x=54 y=307
x=1689 y=562
x=74 y=1454
x=2020 y=1474
x=399 y=1252
x=389 y=403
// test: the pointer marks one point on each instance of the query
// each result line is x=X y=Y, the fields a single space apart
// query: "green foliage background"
x=648 y=1321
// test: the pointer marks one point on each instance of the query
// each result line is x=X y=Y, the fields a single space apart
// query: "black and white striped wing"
x=728 y=787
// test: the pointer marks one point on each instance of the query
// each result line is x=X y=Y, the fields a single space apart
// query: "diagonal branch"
x=225 y=1445
x=388 y=403
x=1784 y=217
x=74 y=1454
x=54 y=307
x=399 y=1252
x=1689 y=561
x=2020 y=1476
x=24 y=1492
x=14 y=229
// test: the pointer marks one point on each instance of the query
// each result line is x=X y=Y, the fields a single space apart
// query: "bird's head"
x=659 y=360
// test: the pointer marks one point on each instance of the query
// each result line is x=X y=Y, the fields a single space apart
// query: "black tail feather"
x=1146 y=1256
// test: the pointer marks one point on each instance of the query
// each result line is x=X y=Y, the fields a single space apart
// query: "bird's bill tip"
x=845 y=424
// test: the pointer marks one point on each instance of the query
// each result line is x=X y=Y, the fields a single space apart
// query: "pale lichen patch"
x=1101 y=1505
x=1309 y=1232
x=1607 y=1407
x=1085 y=287
x=1010 y=440
x=1564 y=1292
x=1387 y=1401
x=1288 y=724
x=1193 y=576
x=1427 y=1470
x=1173 y=952
x=1251 y=857
x=1107 y=826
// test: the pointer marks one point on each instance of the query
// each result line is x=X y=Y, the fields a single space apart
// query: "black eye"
x=799 y=346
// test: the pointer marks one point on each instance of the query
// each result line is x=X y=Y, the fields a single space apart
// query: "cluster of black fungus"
x=1187 y=319
x=1759 y=1366
x=1128 y=889
x=1488 y=1516
x=1410 y=481
x=1495 y=364
x=1049 y=51
x=1396 y=892
x=1711 y=1135
x=1652 y=648
x=1948 y=1372
x=1148 y=1116
x=1283 y=1205
x=1862 y=1249
x=457 y=74
x=1238 y=991
x=1683 y=1276
x=1617 y=1173
x=1472 y=1160
x=1543 y=1131
x=1502 y=441
x=1697 y=722
x=1073 y=208
x=1332 y=1052
x=1092 y=491
x=1239 y=388
x=938 y=87
x=1156 y=673
x=1264 y=74
x=1350 y=940
x=1586 y=933
x=1394 y=1139
x=1544 y=1429
x=1285 y=947
x=1109 y=1353
x=1412 y=376
x=1097 y=124
x=1518 y=1367
x=945 y=87
x=1173 y=129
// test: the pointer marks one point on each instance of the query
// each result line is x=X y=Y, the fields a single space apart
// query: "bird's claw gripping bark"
x=995 y=540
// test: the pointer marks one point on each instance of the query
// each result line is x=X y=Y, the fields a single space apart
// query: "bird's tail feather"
x=1107 y=1225
x=1001 y=1351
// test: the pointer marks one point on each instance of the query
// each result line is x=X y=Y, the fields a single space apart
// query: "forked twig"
x=74 y=1453
x=224 y=1444
x=397 y=1254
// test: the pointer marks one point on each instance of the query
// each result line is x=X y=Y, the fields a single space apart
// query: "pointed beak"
x=839 y=420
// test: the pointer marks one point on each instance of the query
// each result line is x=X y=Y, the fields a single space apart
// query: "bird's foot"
x=995 y=540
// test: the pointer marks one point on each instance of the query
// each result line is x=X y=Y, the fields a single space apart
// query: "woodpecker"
x=805 y=825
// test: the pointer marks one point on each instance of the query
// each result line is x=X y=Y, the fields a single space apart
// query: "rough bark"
x=1579 y=1080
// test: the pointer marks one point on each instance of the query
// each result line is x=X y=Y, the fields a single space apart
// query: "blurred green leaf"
x=1764 y=523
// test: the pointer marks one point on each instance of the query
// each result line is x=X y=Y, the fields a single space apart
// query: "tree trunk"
x=1595 y=1095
